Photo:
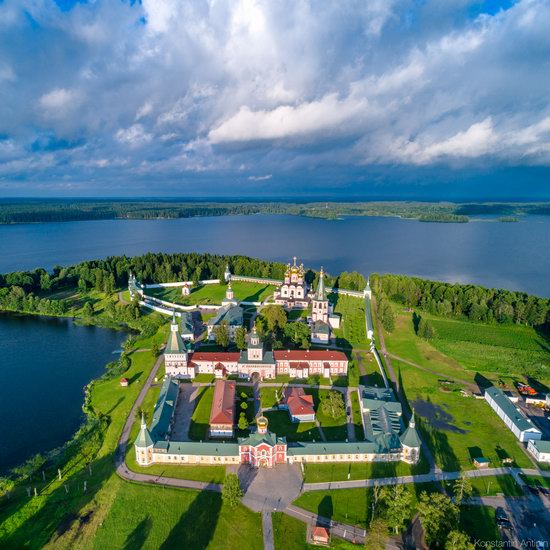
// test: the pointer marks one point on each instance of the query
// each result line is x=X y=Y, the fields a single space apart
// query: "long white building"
x=517 y=422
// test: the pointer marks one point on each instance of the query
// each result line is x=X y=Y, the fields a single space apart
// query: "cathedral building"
x=293 y=293
x=322 y=317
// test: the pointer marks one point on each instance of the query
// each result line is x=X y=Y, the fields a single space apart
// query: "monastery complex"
x=386 y=436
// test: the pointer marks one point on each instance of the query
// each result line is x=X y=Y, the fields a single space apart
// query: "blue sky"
x=380 y=98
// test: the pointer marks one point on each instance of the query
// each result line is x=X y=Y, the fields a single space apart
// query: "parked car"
x=500 y=513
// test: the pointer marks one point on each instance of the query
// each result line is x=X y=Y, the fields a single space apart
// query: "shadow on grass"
x=325 y=509
x=58 y=507
x=138 y=536
x=198 y=431
x=204 y=512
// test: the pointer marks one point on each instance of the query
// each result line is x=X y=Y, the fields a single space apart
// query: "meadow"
x=214 y=293
x=352 y=331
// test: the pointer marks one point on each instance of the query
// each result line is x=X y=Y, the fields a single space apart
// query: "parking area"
x=538 y=415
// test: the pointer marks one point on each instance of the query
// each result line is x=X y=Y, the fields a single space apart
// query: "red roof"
x=223 y=404
x=321 y=533
x=215 y=356
x=312 y=355
x=298 y=402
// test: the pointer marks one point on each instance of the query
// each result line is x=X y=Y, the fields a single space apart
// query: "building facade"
x=539 y=449
x=260 y=449
x=222 y=413
x=293 y=293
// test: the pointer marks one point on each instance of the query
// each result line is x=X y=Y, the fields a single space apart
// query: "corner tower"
x=144 y=445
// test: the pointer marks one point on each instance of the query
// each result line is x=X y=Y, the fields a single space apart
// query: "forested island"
x=35 y=211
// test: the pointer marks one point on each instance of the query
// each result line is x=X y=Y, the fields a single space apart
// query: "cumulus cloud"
x=166 y=88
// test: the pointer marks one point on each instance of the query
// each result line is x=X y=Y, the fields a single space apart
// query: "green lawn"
x=290 y=533
x=479 y=522
x=334 y=428
x=279 y=423
x=352 y=506
x=198 y=430
x=491 y=486
x=214 y=294
x=164 y=518
x=352 y=331
x=457 y=428
x=317 y=473
x=268 y=396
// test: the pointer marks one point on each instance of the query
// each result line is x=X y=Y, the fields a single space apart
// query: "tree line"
x=473 y=302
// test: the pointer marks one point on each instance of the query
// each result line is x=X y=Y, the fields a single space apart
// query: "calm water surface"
x=44 y=366
x=509 y=255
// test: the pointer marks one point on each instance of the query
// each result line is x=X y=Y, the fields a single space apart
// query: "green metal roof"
x=198 y=448
x=542 y=445
x=175 y=343
x=187 y=322
x=144 y=437
x=267 y=358
x=232 y=314
x=321 y=294
x=410 y=437
x=255 y=439
x=521 y=422
x=331 y=447
x=321 y=328
x=164 y=408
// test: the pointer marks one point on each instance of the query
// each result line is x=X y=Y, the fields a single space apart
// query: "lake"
x=486 y=252
x=44 y=365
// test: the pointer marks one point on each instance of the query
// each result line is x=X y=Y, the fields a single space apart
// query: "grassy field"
x=491 y=486
x=290 y=533
x=334 y=428
x=268 y=396
x=163 y=518
x=499 y=349
x=352 y=331
x=214 y=294
x=279 y=423
x=198 y=430
x=316 y=473
x=353 y=506
x=457 y=428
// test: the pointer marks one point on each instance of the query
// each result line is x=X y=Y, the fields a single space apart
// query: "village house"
x=298 y=404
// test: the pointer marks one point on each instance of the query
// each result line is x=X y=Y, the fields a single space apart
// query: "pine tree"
x=231 y=491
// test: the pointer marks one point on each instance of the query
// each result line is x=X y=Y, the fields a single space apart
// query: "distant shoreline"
x=13 y=212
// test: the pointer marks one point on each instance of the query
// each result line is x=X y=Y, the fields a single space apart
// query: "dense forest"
x=30 y=211
x=476 y=303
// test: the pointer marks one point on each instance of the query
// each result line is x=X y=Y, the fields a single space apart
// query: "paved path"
x=348 y=532
x=320 y=429
x=121 y=298
x=184 y=411
x=267 y=528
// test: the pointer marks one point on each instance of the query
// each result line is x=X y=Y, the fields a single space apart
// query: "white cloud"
x=286 y=121
x=260 y=178
x=133 y=136
x=59 y=99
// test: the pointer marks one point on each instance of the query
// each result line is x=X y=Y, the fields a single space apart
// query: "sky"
x=348 y=99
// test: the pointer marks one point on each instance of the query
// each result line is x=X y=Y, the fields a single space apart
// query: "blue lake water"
x=508 y=255
x=44 y=365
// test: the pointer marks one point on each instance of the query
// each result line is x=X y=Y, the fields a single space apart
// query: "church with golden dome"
x=293 y=293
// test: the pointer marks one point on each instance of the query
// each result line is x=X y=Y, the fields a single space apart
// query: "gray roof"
x=321 y=294
x=321 y=328
x=521 y=422
x=198 y=448
x=542 y=445
x=164 y=409
x=187 y=322
x=230 y=313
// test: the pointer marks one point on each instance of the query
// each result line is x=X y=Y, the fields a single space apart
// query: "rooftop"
x=521 y=422
x=164 y=409
x=309 y=355
x=230 y=313
x=298 y=402
x=223 y=403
